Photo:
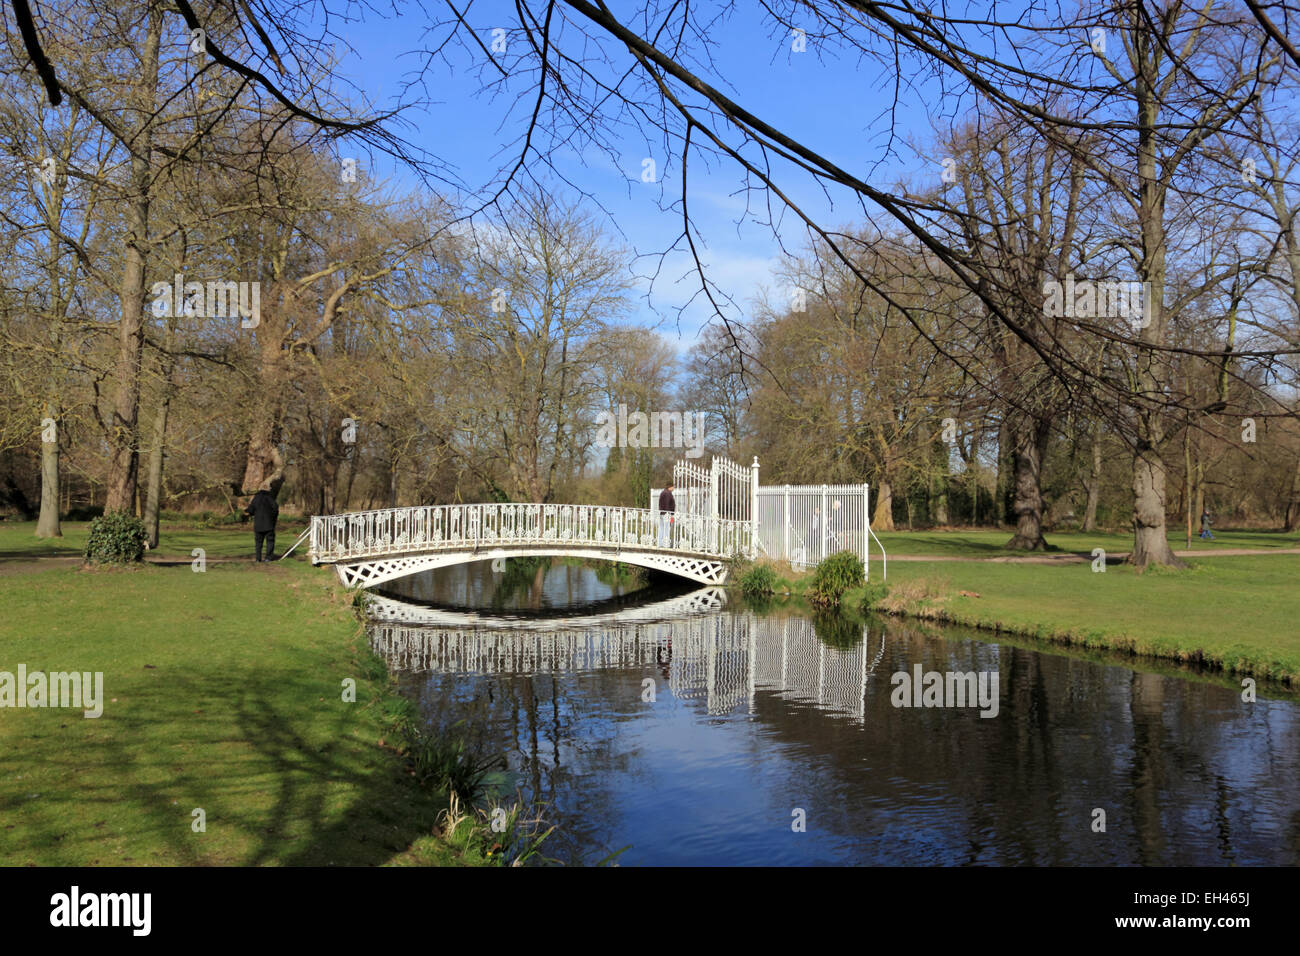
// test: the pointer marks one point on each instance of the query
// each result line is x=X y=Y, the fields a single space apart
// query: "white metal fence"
x=801 y=524
x=805 y=523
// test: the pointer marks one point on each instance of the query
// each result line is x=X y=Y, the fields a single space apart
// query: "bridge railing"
x=369 y=534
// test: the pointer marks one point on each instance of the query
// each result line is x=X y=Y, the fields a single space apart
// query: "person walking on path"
x=265 y=512
x=1205 y=525
x=667 y=508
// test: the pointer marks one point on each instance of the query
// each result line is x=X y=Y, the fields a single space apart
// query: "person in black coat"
x=265 y=512
x=667 y=506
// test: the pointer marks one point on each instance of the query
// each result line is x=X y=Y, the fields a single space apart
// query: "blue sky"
x=838 y=110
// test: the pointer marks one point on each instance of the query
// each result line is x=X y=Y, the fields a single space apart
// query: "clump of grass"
x=739 y=565
x=440 y=762
x=475 y=822
x=874 y=595
x=920 y=597
x=834 y=575
x=450 y=764
x=759 y=580
x=504 y=834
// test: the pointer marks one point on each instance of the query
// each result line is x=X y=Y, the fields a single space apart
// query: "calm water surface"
x=760 y=721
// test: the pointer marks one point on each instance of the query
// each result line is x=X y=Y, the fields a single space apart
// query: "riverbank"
x=224 y=692
x=1238 y=613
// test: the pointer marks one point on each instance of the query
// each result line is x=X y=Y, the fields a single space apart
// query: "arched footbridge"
x=368 y=548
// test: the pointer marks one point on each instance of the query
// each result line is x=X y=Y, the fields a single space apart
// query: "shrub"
x=835 y=574
x=758 y=580
x=116 y=538
x=83 y=513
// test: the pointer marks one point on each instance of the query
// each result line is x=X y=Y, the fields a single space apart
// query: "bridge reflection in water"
x=721 y=660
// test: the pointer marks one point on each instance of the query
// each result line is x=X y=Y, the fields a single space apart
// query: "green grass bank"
x=1237 y=612
x=223 y=691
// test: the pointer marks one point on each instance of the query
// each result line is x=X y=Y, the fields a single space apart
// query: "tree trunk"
x=1150 y=543
x=153 y=489
x=1293 y=501
x=1094 y=487
x=47 y=525
x=1188 y=492
x=939 y=496
x=1029 y=446
x=1005 y=492
x=1200 y=488
x=328 y=482
x=124 y=454
x=264 y=465
x=351 y=463
x=883 y=518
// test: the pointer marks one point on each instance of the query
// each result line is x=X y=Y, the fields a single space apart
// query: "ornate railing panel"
x=399 y=531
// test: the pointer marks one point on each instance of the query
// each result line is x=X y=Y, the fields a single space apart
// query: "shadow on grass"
x=41 y=548
x=276 y=787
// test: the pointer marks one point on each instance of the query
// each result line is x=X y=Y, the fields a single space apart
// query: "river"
x=683 y=729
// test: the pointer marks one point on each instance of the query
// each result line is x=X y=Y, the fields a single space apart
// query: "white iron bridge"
x=368 y=548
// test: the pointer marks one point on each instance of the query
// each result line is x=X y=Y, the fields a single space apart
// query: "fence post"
x=785 y=533
x=713 y=489
x=866 y=533
x=753 y=509
x=713 y=534
x=824 y=529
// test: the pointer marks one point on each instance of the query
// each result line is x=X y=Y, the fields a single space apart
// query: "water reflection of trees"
x=1186 y=772
x=527 y=583
x=522 y=577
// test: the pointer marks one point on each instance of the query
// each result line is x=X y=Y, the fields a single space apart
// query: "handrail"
x=884 y=558
x=293 y=546
x=364 y=534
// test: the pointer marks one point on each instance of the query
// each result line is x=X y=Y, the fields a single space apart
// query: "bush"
x=83 y=513
x=835 y=574
x=758 y=580
x=116 y=538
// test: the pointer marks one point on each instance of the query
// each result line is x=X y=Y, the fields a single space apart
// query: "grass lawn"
x=223 y=691
x=1241 y=613
x=989 y=543
x=18 y=540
